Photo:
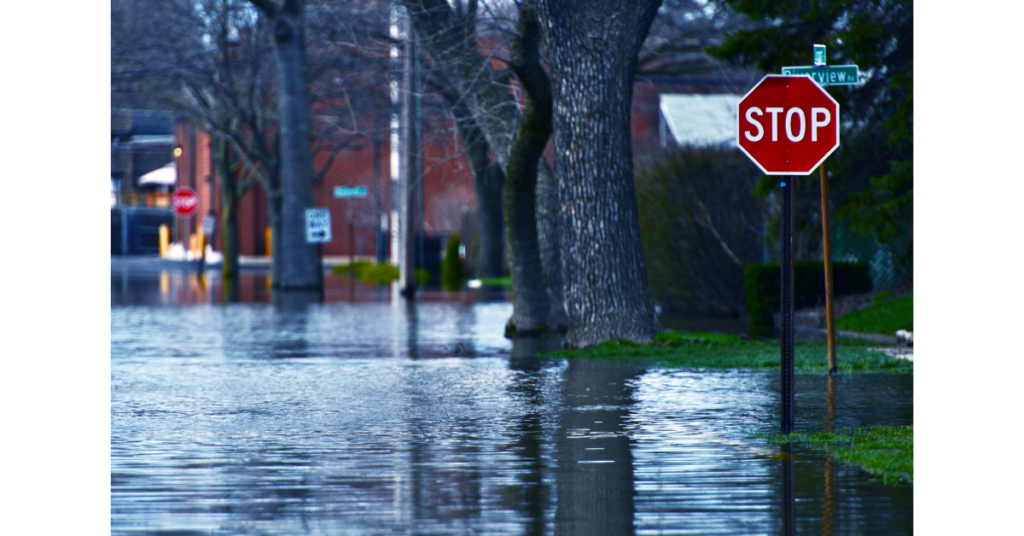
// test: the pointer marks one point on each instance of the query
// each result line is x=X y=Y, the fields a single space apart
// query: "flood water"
x=364 y=415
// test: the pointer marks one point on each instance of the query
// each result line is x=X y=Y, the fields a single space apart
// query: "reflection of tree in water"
x=445 y=474
x=531 y=495
x=290 y=322
x=412 y=323
x=595 y=465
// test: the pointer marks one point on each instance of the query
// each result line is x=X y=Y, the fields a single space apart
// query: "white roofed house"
x=699 y=120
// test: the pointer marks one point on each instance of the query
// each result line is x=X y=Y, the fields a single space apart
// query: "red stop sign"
x=184 y=201
x=788 y=125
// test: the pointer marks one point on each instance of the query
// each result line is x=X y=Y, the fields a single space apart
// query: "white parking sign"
x=318 y=225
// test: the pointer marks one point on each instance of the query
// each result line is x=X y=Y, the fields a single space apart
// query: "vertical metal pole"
x=827 y=254
x=185 y=243
x=351 y=253
x=786 y=301
x=320 y=261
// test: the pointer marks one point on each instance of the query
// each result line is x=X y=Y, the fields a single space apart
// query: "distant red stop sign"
x=184 y=201
x=788 y=125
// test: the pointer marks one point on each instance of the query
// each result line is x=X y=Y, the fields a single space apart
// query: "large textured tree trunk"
x=593 y=48
x=452 y=44
x=296 y=263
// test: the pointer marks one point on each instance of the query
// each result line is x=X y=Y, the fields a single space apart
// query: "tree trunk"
x=593 y=48
x=228 y=208
x=296 y=263
x=488 y=181
x=531 y=303
x=550 y=245
x=410 y=162
x=274 y=214
x=490 y=222
x=452 y=45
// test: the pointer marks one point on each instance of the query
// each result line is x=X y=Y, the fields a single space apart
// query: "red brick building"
x=448 y=183
x=448 y=189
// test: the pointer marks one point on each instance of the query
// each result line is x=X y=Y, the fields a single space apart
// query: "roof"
x=701 y=119
x=162 y=176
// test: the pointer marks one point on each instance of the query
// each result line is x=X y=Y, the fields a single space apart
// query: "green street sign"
x=349 y=191
x=819 y=55
x=831 y=75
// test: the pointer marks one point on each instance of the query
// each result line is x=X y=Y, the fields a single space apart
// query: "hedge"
x=451 y=266
x=761 y=282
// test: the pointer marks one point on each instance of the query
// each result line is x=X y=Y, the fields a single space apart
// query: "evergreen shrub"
x=451 y=266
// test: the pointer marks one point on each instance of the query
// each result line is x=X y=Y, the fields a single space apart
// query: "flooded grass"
x=698 y=350
x=884 y=451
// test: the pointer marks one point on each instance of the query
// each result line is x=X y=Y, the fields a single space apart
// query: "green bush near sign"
x=692 y=201
x=451 y=266
x=761 y=282
x=368 y=272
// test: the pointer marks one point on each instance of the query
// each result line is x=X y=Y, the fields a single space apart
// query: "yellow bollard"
x=165 y=240
x=269 y=244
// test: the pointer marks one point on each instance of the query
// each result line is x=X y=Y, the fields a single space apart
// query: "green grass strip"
x=497 y=281
x=884 y=451
x=884 y=317
x=697 y=350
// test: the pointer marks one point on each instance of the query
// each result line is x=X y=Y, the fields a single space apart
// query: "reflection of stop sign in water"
x=184 y=201
x=788 y=125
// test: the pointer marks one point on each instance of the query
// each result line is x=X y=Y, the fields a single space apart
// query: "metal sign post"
x=786 y=301
x=350 y=192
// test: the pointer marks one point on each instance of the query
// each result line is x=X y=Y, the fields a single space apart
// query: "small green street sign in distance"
x=819 y=55
x=349 y=191
x=830 y=75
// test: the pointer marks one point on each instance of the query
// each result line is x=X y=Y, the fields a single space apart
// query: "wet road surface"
x=373 y=417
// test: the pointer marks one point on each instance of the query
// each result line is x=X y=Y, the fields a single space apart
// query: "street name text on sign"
x=318 y=225
x=184 y=201
x=828 y=75
x=788 y=125
x=341 y=192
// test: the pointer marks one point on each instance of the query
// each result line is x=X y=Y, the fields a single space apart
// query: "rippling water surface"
x=372 y=417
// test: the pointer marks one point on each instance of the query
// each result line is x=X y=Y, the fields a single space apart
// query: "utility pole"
x=411 y=163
